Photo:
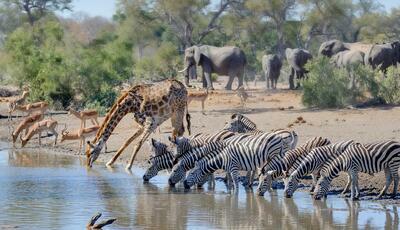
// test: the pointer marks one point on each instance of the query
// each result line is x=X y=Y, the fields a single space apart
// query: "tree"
x=36 y=9
x=277 y=11
x=191 y=20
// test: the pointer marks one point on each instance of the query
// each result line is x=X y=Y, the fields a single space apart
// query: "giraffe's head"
x=92 y=153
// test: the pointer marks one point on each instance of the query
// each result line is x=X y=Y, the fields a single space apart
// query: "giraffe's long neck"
x=112 y=119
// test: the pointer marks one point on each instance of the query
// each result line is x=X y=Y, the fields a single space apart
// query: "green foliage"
x=389 y=89
x=325 y=86
x=160 y=66
x=330 y=87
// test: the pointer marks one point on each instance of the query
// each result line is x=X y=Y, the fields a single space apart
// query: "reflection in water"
x=48 y=191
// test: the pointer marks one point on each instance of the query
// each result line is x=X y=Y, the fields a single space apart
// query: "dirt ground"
x=271 y=109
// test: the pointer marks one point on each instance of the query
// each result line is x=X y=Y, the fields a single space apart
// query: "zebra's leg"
x=314 y=182
x=228 y=180
x=235 y=179
x=354 y=185
x=211 y=181
x=388 y=182
x=346 y=188
x=395 y=177
x=249 y=180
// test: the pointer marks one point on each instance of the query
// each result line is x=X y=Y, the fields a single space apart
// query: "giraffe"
x=151 y=104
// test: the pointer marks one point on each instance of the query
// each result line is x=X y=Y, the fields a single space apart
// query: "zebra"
x=162 y=159
x=241 y=124
x=247 y=156
x=370 y=159
x=313 y=163
x=279 y=167
x=188 y=160
x=184 y=144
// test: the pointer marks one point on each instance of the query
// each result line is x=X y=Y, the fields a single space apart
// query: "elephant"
x=297 y=58
x=384 y=55
x=229 y=61
x=332 y=47
x=271 y=65
x=347 y=58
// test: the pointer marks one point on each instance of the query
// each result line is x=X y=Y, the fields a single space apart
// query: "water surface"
x=41 y=191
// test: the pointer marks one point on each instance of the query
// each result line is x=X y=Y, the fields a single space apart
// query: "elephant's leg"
x=275 y=82
x=230 y=81
x=240 y=76
x=267 y=80
x=207 y=76
x=291 y=79
x=187 y=81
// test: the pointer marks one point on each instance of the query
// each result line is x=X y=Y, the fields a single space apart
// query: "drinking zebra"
x=245 y=156
x=313 y=163
x=279 y=167
x=162 y=159
x=187 y=161
x=370 y=159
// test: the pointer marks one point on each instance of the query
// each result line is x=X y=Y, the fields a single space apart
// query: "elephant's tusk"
x=181 y=71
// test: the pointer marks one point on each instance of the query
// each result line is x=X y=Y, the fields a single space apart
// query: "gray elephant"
x=271 y=65
x=333 y=47
x=348 y=58
x=297 y=58
x=384 y=55
x=229 y=61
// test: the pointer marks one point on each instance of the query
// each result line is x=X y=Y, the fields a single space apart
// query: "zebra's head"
x=157 y=148
x=178 y=173
x=291 y=186
x=240 y=124
x=161 y=158
x=152 y=170
x=182 y=145
x=194 y=176
x=265 y=182
x=321 y=188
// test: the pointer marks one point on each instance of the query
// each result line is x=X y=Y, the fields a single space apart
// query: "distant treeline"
x=85 y=59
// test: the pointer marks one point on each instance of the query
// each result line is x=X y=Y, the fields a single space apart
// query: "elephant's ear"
x=197 y=54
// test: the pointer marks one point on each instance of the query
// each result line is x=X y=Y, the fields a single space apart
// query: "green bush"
x=325 y=86
x=389 y=86
x=331 y=87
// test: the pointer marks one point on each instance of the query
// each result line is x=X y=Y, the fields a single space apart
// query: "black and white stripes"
x=370 y=159
x=240 y=156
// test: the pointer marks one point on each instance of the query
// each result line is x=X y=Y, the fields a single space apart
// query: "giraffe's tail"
x=188 y=122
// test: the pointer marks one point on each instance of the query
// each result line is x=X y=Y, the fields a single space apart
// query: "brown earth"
x=270 y=109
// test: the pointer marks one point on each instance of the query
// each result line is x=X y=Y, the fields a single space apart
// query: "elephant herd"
x=231 y=61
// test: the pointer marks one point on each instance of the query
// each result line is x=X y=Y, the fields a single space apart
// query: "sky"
x=106 y=8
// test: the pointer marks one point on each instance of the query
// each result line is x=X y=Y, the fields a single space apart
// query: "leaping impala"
x=80 y=134
x=85 y=115
x=26 y=124
x=38 y=128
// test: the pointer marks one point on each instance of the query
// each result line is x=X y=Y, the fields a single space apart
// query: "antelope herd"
x=35 y=123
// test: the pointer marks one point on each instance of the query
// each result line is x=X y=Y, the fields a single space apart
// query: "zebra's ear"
x=153 y=142
x=172 y=140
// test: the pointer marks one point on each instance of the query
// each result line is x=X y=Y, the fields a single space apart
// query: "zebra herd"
x=240 y=146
